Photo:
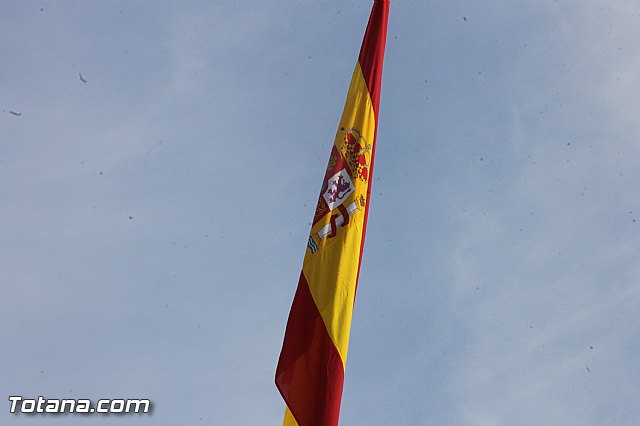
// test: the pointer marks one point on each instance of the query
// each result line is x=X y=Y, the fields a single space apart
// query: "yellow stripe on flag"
x=332 y=271
x=289 y=420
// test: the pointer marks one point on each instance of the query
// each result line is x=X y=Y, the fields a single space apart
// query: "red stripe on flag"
x=372 y=51
x=310 y=373
x=371 y=60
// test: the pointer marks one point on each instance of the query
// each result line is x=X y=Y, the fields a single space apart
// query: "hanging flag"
x=310 y=372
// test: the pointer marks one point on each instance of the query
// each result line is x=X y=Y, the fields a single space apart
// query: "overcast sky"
x=159 y=168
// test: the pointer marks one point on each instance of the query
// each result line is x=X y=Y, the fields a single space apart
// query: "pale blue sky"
x=153 y=220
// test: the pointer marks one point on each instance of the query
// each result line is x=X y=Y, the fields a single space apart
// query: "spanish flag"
x=310 y=372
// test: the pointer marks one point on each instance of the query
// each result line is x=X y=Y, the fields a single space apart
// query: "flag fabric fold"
x=310 y=371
